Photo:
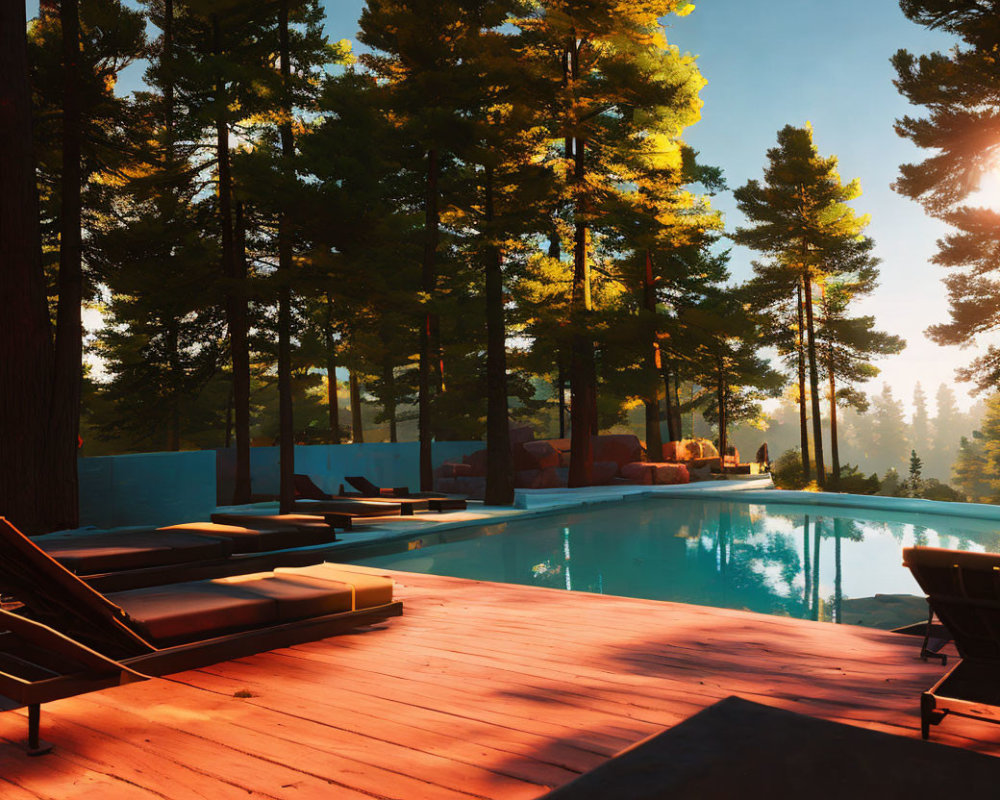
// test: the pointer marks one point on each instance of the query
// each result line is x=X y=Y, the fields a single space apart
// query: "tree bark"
x=801 y=355
x=286 y=423
x=26 y=357
x=654 y=364
x=428 y=283
x=720 y=398
x=174 y=386
x=333 y=402
x=672 y=433
x=555 y=252
x=499 y=462
x=814 y=383
x=357 y=428
x=234 y=275
x=62 y=437
x=389 y=382
x=834 y=445
x=583 y=394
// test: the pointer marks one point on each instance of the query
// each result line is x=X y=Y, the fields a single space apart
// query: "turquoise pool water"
x=835 y=564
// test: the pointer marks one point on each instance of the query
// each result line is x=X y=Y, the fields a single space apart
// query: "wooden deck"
x=480 y=690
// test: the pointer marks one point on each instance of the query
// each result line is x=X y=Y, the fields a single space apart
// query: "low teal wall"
x=383 y=463
x=157 y=489
x=146 y=488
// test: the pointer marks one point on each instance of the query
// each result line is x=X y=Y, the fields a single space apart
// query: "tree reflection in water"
x=777 y=558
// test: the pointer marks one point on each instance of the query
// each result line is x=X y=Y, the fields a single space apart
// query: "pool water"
x=834 y=564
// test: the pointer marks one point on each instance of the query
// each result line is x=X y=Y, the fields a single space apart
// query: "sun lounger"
x=161 y=629
x=737 y=748
x=311 y=494
x=190 y=551
x=440 y=502
x=92 y=553
x=963 y=589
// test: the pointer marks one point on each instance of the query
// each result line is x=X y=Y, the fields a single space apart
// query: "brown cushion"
x=90 y=554
x=268 y=522
x=188 y=612
x=297 y=596
x=251 y=540
x=370 y=588
x=359 y=508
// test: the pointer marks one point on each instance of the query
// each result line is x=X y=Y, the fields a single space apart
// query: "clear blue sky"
x=793 y=61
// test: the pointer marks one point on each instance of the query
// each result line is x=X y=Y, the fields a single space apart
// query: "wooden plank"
x=479 y=690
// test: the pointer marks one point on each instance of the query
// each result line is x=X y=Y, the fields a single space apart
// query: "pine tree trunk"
x=555 y=249
x=62 y=505
x=814 y=383
x=801 y=356
x=499 y=462
x=561 y=393
x=174 y=386
x=720 y=398
x=834 y=445
x=654 y=442
x=679 y=421
x=672 y=433
x=357 y=428
x=333 y=402
x=286 y=423
x=581 y=372
x=583 y=397
x=167 y=206
x=234 y=274
x=26 y=357
x=428 y=282
x=389 y=381
x=229 y=421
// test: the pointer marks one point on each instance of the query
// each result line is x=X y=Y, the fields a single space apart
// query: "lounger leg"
x=925 y=651
x=929 y=715
x=36 y=747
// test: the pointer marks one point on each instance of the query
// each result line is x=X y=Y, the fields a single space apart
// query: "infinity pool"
x=834 y=564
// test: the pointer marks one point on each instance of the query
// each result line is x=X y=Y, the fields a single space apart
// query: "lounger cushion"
x=186 y=612
x=296 y=596
x=268 y=522
x=370 y=588
x=252 y=540
x=360 y=508
x=90 y=554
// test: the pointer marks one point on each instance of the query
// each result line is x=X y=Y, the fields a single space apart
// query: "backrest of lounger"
x=53 y=594
x=307 y=489
x=363 y=485
x=963 y=588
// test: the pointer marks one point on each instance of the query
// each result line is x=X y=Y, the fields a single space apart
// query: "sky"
x=797 y=61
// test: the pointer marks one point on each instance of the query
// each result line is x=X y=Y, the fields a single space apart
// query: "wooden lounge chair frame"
x=369 y=493
x=235 y=564
x=437 y=500
x=963 y=590
x=26 y=570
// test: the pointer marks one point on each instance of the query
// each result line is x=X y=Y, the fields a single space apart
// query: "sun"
x=988 y=193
